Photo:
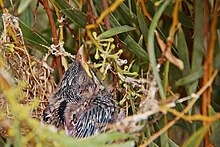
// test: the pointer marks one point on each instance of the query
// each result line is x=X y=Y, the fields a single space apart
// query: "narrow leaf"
x=23 y=5
x=2 y=142
x=135 y=48
x=215 y=128
x=171 y=143
x=168 y=54
x=72 y=13
x=198 y=48
x=128 y=40
x=191 y=77
x=115 y=31
x=216 y=123
x=183 y=19
x=151 y=50
x=196 y=138
x=33 y=37
x=126 y=144
x=102 y=139
x=141 y=22
x=183 y=52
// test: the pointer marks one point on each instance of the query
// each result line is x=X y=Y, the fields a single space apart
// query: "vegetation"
x=160 y=58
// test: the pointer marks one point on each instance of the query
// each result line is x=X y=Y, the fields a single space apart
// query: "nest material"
x=21 y=64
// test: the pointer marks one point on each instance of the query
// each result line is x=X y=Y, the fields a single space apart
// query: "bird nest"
x=17 y=65
x=22 y=66
x=25 y=64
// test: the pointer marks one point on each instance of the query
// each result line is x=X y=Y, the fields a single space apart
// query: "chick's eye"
x=82 y=78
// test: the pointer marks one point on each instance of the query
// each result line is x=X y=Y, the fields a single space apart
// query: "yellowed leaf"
x=168 y=54
x=64 y=63
x=4 y=82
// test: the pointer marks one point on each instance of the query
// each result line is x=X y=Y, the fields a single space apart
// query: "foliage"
x=159 y=58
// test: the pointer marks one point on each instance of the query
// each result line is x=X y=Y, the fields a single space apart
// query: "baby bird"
x=81 y=105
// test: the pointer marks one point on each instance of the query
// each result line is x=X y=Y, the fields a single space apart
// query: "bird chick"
x=81 y=105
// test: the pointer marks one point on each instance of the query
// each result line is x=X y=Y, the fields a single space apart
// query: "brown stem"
x=35 y=16
x=106 y=19
x=208 y=64
x=90 y=19
x=107 y=25
x=55 y=37
x=90 y=13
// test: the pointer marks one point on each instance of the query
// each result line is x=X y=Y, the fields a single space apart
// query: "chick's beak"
x=81 y=57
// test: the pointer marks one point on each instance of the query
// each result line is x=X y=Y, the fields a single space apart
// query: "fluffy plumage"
x=81 y=105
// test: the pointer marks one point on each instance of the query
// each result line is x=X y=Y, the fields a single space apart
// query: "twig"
x=190 y=105
x=144 y=9
x=107 y=25
x=90 y=13
x=106 y=19
x=208 y=65
x=35 y=16
x=99 y=20
x=55 y=37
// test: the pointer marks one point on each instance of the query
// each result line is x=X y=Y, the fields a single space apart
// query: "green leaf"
x=127 y=40
x=140 y=41
x=72 y=13
x=183 y=55
x=135 y=48
x=150 y=48
x=215 y=128
x=115 y=31
x=27 y=16
x=191 y=77
x=183 y=52
x=216 y=123
x=23 y=5
x=183 y=19
x=2 y=142
x=142 y=23
x=196 y=138
x=99 y=140
x=126 y=144
x=171 y=143
x=198 y=48
x=102 y=139
x=217 y=59
x=215 y=135
x=33 y=37
x=127 y=12
x=131 y=43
